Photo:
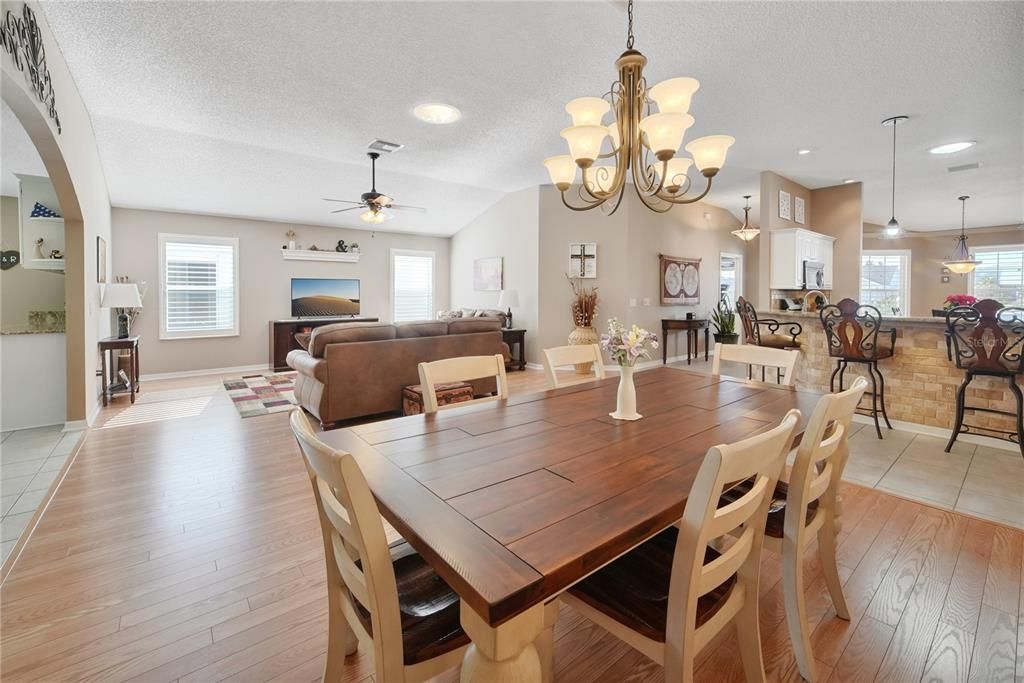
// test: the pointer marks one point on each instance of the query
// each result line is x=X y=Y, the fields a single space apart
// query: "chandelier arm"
x=686 y=200
x=618 y=201
x=587 y=206
x=645 y=200
x=617 y=181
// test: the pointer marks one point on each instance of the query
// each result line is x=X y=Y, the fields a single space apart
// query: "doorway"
x=730 y=278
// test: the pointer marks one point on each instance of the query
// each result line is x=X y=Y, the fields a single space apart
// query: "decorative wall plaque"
x=583 y=259
x=22 y=40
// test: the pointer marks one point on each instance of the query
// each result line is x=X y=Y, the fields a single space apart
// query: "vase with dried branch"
x=584 y=313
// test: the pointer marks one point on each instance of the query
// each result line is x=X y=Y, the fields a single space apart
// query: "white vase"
x=291 y=244
x=625 y=399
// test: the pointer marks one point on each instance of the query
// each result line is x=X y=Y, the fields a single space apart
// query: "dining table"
x=513 y=501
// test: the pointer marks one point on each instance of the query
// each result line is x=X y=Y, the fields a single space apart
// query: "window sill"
x=199 y=335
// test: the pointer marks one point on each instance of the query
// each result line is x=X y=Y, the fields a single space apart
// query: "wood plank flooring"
x=188 y=550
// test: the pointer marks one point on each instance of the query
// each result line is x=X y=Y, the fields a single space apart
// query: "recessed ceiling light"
x=848 y=181
x=952 y=147
x=437 y=113
x=805 y=150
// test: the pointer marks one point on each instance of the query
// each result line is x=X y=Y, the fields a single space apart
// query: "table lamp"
x=122 y=295
x=507 y=299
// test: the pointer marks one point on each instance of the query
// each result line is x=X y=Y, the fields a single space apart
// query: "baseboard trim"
x=939 y=432
x=207 y=371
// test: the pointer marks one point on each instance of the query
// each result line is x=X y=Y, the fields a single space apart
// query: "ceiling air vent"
x=964 y=167
x=384 y=146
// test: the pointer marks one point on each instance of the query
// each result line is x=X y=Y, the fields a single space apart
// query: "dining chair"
x=572 y=355
x=672 y=594
x=784 y=361
x=805 y=505
x=461 y=369
x=386 y=598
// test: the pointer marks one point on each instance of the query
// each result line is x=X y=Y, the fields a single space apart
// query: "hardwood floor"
x=187 y=549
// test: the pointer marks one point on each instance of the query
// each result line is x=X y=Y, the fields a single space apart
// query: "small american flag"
x=40 y=211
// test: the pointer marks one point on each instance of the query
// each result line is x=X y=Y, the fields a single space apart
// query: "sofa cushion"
x=421 y=328
x=302 y=339
x=473 y=325
x=339 y=333
x=449 y=315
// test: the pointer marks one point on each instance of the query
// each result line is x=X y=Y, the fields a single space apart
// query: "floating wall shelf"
x=324 y=255
x=47 y=263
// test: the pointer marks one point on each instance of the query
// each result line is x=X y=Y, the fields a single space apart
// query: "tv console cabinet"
x=282 y=335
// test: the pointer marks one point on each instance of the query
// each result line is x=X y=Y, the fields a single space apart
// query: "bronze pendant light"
x=747 y=233
x=962 y=262
x=892 y=228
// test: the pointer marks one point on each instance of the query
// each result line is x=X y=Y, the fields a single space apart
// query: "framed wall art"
x=785 y=205
x=583 y=259
x=798 y=210
x=487 y=274
x=680 y=280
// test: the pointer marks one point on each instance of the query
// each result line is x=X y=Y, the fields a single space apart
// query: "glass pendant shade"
x=709 y=152
x=892 y=228
x=673 y=96
x=747 y=232
x=599 y=178
x=665 y=133
x=374 y=217
x=562 y=170
x=962 y=261
x=584 y=143
x=675 y=173
x=587 y=111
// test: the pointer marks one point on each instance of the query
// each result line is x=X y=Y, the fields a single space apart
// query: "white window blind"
x=199 y=286
x=1000 y=275
x=412 y=285
x=885 y=281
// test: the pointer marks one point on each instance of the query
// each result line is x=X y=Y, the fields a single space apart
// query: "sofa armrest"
x=305 y=364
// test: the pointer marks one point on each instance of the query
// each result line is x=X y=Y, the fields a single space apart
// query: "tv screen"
x=324 y=297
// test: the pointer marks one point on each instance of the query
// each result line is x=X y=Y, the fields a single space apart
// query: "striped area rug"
x=262 y=394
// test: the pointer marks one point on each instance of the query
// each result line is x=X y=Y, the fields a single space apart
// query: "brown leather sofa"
x=358 y=369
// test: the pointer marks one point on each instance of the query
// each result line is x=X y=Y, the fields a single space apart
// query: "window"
x=1000 y=275
x=198 y=286
x=412 y=285
x=885 y=280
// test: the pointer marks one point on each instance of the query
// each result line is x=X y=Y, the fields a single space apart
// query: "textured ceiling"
x=17 y=153
x=258 y=109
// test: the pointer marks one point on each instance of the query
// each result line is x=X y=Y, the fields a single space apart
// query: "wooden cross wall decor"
x=583 y=259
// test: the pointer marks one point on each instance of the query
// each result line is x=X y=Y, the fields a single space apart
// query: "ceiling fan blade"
x=404 y=207
x=351 y=208
x=342 y=201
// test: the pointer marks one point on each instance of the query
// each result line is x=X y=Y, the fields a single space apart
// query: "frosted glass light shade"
x=709 y=152
x=587 y=111
x=673 y=96
x=599 y=178
x=562 y=170
x=509 y=298
x=374 y=217
x=121 y=295
x=584 y=143
x=675 y=173
x=747 y=234
x=665 y=132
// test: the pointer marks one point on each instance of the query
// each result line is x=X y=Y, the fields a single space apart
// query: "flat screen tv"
x=324 y=297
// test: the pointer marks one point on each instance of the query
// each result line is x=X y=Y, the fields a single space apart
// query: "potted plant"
x=724 y=320
x=584 y=309
x=626 y=347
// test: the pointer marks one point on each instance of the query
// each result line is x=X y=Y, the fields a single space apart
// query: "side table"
x=514 y=336
x=111 y=386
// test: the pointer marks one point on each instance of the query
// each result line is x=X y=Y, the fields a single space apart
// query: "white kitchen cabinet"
x=789 y=248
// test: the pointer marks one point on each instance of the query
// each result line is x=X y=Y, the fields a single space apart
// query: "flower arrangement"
x=584 y=303
x=954 y=300
x=626 y=347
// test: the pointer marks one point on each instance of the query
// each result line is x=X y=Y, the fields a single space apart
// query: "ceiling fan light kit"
x=962 y=262
x=374 y=202
x=636 y=135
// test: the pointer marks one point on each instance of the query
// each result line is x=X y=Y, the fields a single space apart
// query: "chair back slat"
x=559 y=356
x=820 y=483
x=748 y=316
x=352 y=575
x=851 y=329
x=463 y=369
x=729 y=517
x=716 y=572
x=764 y=356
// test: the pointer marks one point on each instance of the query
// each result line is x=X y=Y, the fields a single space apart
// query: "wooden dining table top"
x=513 y=501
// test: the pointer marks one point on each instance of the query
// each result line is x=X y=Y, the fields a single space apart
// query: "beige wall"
x=508 y=229
x=264 y=279
x=838 y=213
x=771 y=183
x=927 y=290
x=24 y=289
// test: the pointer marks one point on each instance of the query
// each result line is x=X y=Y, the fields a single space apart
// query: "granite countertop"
x=886 y=319
x=28 y=330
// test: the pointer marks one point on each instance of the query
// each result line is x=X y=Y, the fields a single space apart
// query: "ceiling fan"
x=374 y=202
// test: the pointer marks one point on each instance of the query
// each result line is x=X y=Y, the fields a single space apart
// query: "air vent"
x=964 y=167
x=384 y=146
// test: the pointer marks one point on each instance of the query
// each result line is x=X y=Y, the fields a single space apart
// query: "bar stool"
x=989 y=342
x=852 y=334
x=752 y=333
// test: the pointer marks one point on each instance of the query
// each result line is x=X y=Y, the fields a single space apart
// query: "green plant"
x=724 y=319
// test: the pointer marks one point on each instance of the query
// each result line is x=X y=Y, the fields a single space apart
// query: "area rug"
x=254 y=395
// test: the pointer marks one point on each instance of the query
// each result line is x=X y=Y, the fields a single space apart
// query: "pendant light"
x=962 y=262
x=746 y=233
x=892 y=228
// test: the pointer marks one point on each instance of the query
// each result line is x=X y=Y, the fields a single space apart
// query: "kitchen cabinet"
x=789 y=248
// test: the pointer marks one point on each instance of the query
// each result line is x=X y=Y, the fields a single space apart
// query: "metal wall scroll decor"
x=23 y=41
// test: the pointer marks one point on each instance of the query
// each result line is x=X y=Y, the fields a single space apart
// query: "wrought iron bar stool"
x=771 y=337
x=989 y=342
x=852 y=333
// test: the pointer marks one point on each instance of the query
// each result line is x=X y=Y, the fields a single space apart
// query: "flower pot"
x=727 y=338
x=625 y=399
x=580 y=336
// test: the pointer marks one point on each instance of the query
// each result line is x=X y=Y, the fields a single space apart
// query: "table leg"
x=505 y=653
x=103 y=364
x=664 y=345
x=522 y=353
x=689 y=343
x=707 y=342
x=132 y=373
x=135 y=353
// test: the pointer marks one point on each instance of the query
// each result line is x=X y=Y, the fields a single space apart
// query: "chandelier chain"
x=629 y=34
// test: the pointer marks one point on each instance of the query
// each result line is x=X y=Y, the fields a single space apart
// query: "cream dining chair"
x=572 y=355
x=387 y=599
x=806 y=504
x=461 y=369
x=672 y=594
x=784 y=361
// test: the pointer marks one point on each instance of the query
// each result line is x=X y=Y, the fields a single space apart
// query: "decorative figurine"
x=56 y=254
x=354 y=248
x=341 y=248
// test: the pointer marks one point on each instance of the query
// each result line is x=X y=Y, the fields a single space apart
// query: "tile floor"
x=30 y=459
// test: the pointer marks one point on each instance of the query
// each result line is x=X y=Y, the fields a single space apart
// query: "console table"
x=282 y=335
x=515 y=336
x=690 y=326
x=112 y=387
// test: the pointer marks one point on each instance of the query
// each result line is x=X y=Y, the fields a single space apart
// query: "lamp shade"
x=587 y=111
x=121 y=295
x=584 y=143
x=374 y=217
x=673 y=96
x=508 y=298
x=665 y=132
x=675 y=173
x=709 y=152
x=562 y=170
